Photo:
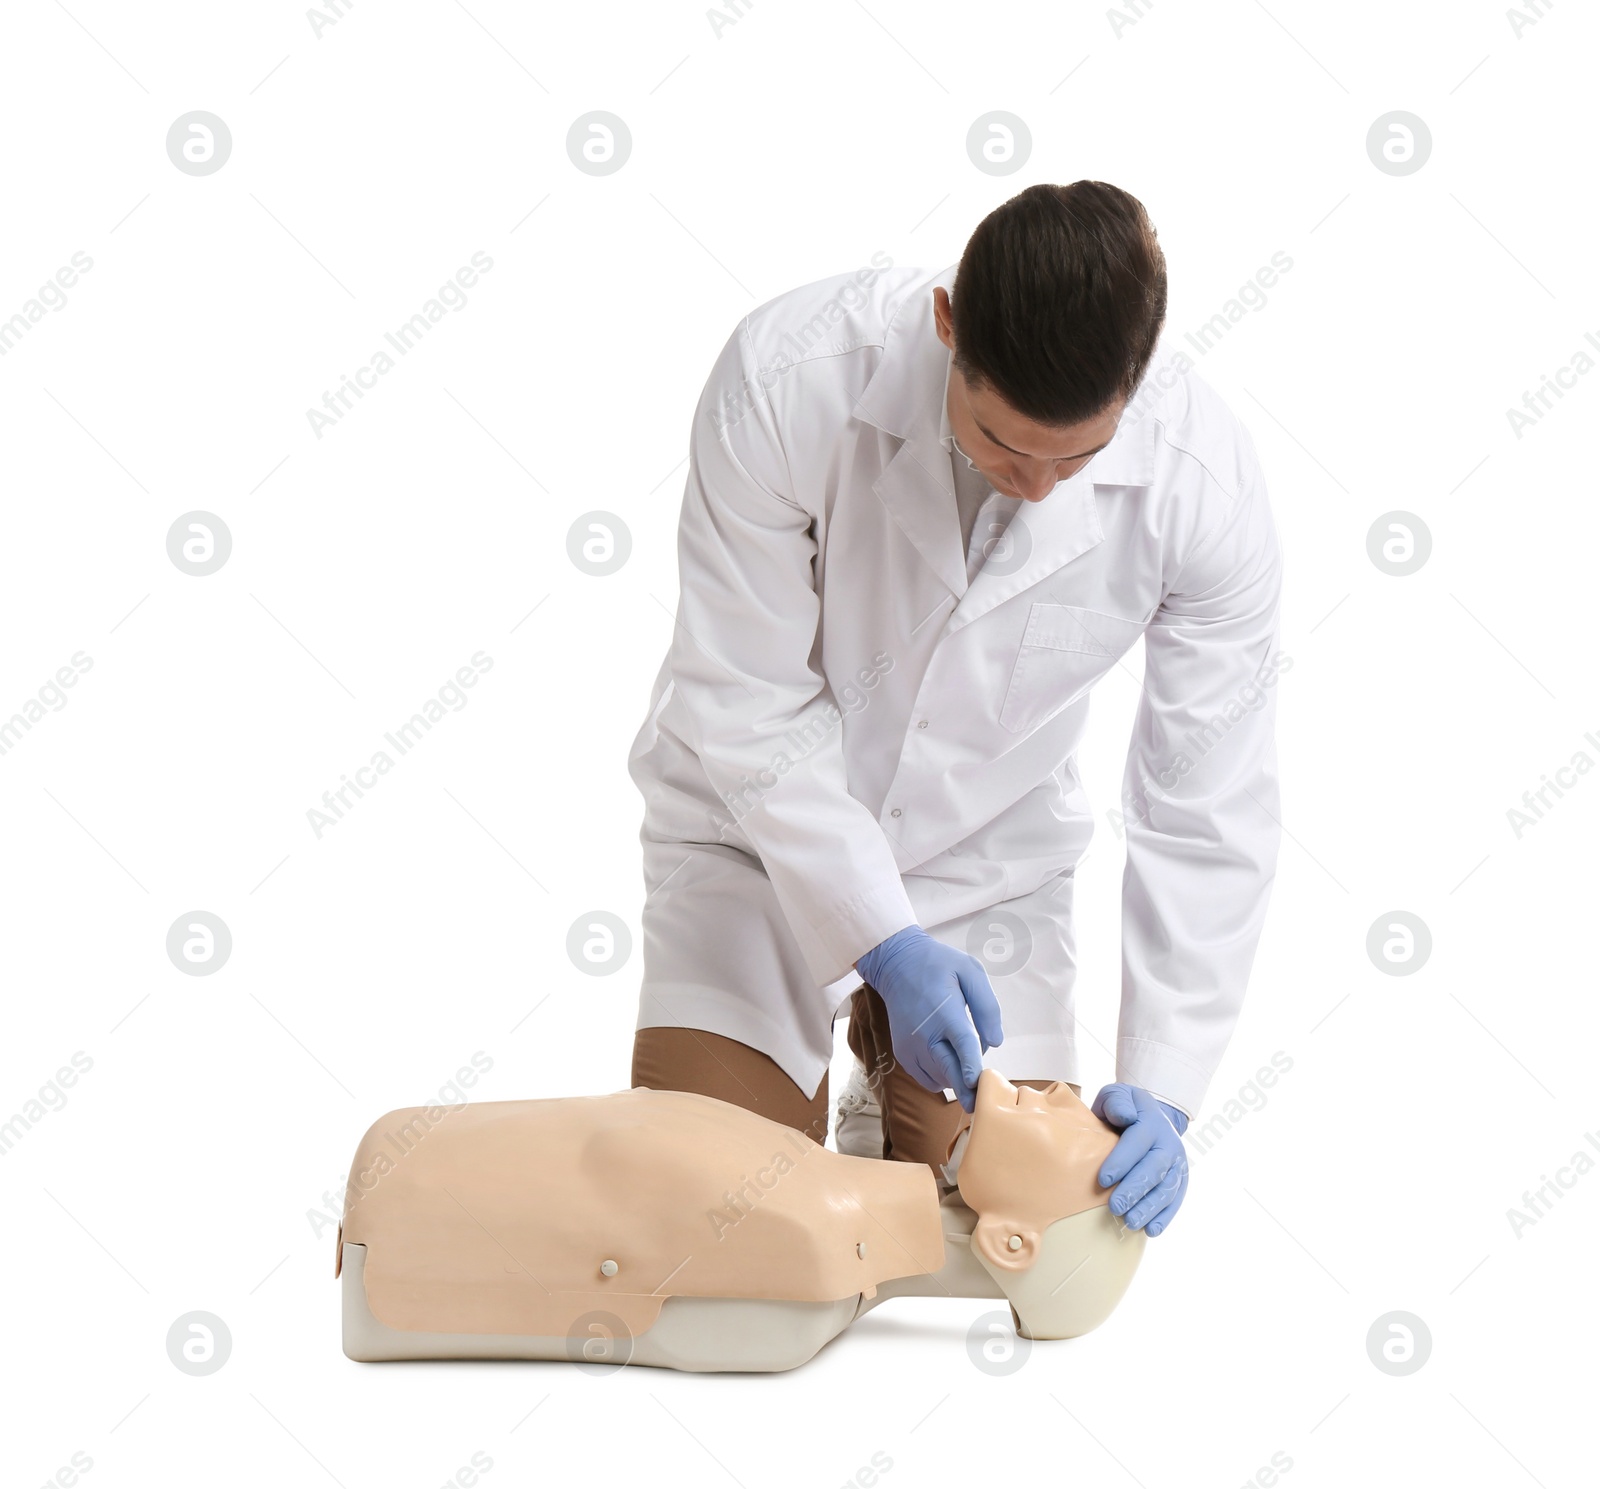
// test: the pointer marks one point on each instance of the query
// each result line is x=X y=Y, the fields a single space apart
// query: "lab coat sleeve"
x=764 y=722
x=1201 y=803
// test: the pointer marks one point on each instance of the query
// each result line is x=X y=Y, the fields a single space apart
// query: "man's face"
x=1018 y=457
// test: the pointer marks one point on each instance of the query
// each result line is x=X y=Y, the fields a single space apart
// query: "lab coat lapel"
x=1041 y=538
x=925 y=508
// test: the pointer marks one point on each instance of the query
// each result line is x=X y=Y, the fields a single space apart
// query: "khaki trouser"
x=918 y=1125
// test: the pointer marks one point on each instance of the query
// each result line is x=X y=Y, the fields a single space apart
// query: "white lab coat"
x=846 y=737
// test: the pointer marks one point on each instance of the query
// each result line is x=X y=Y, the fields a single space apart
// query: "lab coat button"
x=895 y=812
x=922 y=723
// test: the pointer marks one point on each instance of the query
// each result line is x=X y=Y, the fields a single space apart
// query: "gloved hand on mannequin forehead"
x=942 y=1012
x=1148 y=1164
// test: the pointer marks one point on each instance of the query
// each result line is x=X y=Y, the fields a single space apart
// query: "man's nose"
x=1035 y=485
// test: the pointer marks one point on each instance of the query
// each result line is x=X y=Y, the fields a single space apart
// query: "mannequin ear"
x=1005 y=1244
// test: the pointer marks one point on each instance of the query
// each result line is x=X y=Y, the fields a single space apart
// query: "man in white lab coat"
x=925 y=513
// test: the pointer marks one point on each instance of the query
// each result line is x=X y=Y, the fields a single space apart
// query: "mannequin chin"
x=667 y=1228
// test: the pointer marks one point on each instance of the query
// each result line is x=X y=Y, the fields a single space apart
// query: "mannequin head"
x=1044 y=1232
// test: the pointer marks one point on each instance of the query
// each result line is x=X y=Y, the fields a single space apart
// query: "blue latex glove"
x=1148 y=1164
x=928 y=989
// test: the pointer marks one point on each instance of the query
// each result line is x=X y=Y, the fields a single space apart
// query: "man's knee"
x=674 y=1058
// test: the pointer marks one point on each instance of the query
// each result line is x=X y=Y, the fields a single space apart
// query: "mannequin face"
x=1043 y=1230
x=1033 y=1157
x=1016 y=455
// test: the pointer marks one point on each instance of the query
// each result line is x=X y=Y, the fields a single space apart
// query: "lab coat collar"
x=905 y=398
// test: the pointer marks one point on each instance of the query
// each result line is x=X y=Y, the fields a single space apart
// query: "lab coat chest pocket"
x=1064 y=651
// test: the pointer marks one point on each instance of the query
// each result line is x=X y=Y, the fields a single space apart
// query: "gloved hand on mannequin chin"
x=940 y=1007
x=1148 y=1164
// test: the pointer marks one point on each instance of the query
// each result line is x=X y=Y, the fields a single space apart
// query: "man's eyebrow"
x=1004 y=446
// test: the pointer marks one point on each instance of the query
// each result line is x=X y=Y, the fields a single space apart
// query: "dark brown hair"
x=1059 y=300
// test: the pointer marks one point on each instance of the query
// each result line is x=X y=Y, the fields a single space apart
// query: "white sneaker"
x=858 y=1119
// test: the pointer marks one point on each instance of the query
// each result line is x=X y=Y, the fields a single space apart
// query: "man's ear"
x=1006 y=1244
x=943 y=315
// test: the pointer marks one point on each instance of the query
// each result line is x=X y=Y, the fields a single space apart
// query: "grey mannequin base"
x=761 y=1334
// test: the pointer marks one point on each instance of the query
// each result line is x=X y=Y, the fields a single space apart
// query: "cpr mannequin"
x=667 y=1228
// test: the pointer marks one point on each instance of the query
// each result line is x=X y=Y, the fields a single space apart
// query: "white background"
x=368 y=165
